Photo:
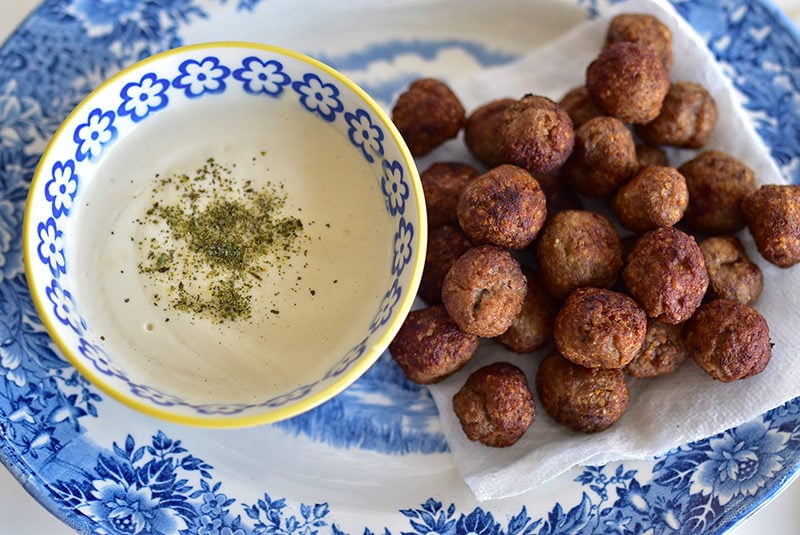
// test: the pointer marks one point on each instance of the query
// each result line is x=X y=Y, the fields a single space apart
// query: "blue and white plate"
x=372 y=460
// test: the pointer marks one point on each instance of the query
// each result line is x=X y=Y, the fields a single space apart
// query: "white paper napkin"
x=663 y=412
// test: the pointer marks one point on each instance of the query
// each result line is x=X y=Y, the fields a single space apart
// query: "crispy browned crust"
x=582 y=399
x=445 y=245
x=504 y=206
x=644 y=29
x=729 y=340
x=655 y=197
x=484 y=290
x=495 y=406
x=427 y=114
x=731 y=273
x=663 y=351
x=482 y=131
x=442 y=184
x=666 y=274
x=429 y=346
x=687 y=118
x=579 y=105
x=773 y=218
x=533 y=328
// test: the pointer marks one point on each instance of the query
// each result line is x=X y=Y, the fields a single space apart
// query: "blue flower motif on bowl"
x=51 y=246
x=318 y=96
x=61 y=189
x=262 y=76
x=94 y=135
x=395 y=187
x=403 y=246
x=140 y=99
x=363 y=133
x=199 y=77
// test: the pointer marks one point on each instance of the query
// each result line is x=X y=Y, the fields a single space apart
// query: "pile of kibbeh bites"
x=514 y=256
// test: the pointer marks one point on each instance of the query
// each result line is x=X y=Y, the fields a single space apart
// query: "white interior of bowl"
x=316 y=325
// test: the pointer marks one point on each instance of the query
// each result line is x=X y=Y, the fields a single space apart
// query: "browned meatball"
x=666 y=274
x=558 y=193
x=687 y=119
x=537 y=134
x=429 y=346
x=445 y=245
x=628 y=81
x=482 y=131
x=731 y=274
x=442 y=184
x=495 y=406
x=578 y=248
x=773 y=218
x=644 y=29
x=579 y=106
x=717 y=184
x=533 y=328
x=582 y=399
x=484 y=290
x=654 y=197
x=504 y=206
x=603 y=159
x=599 y=328
x=663 y=351
x=729 y=340
x=650 y=155
x=427 y=114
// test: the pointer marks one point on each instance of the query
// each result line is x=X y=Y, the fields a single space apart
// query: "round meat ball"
x=533 y=328
x=663 y=351
x=654 y=197
x=729 y=340
x=773 y=217
x=579 y=106
x=504 y=206
x=666 y=274
x=429 y=346
x=578 y=248
x=582 y=399
x=717 y=184
x=603 y=159
x=484 y=290
x=442 y=184
x=650 y=155
x=445 y=245
x=482 y=130
x=687 y=118
x=537 y=134
x=599 y=328
x=628 y=81
x=645 y=29
x=495 y=406
x=427 y=114
x=731 y=274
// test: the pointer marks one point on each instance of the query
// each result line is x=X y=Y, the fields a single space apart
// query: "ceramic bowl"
x=144 y=262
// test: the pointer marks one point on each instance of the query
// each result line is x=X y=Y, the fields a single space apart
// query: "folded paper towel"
x=663 y=412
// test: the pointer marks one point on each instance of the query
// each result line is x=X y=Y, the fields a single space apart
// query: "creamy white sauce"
x=328 y=186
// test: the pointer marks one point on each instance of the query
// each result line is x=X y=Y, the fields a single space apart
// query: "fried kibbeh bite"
x=655 y=197
x=599 y=328
x=445 y=245
x=628 y=81
x=484 y=290
x=504 y=206
x=579 y=105
x=729 y=340
x=687 y=118
x=427 y=114
x=558 y=193
x=442 y=184
x=731 y=273
x=533 y=328
x=537 y=134
x=645 y=29
x=430 y=346
x=604 y=157
x=578 y=248
x=666 y=274
x=772 y=213
x=495 y=406
x=717 y=182
x=650 y=155
x=662 y=352
x=482 y=130
x=588 y=400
